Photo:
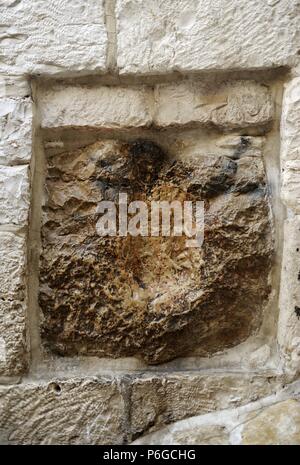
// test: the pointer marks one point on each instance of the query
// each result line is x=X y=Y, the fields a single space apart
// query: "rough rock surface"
x=14 y=195
x=152 y=297
x=73 y=37
x=13 y=348
x=62 y=412
x=188 y=35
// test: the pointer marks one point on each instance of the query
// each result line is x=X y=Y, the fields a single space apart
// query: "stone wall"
x=142 y=341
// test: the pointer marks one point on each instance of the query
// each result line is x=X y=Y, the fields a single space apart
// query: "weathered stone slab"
x=228 y=105
x=13 y=347
x=290 y=145
x=71 y=411
x=57 y=37
x=190 y=35
x=14 y=195
x=289 y=316
x=157 y=401
x=270 y=420
x=15 y=130
x=12 y=264
x=152 y=297
x=108 y=107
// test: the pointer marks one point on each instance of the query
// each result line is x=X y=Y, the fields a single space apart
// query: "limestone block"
x=15 y=130
x=108 y=107
x=290 y=145
x=14 y=195
x=13 y=86
x=52 y=37
x=12 y=253
x=13 y=348
x=70 y=411
x=278 y=424
x=157 y=401
x=230 y=105
x=289 y=316
x=189 y=35
x=153 y=297
x=274 y=419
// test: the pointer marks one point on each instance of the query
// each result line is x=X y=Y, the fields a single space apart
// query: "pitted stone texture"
x=108 y=107
x=14 y=195
x=62 y=412
x=15 y=131
x=228 y=105
x=12 y=265
x=152 y=297
x=13 y=348
x=290 y=145
x=278 y=424
x=289 y=316
x=157 y=401
x=189 y=35
x=55 y=37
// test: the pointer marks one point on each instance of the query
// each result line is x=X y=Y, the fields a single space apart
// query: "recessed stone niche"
x=152 y=297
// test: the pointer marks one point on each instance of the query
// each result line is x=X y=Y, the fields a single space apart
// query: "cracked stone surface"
x=152 y=297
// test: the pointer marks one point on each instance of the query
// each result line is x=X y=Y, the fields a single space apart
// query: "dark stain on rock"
x=152 y=297
x=297 y=311
x=244 y=144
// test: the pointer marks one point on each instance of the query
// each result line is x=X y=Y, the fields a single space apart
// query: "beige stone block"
x=158 y=400
x=57 y=37
x=229 y=105
x=15 y=130
x=70 y=411
x=107 y=107
x=189 y=35
x=13 y=347
x=270 y=420
x=12 y=264
x=14 y=195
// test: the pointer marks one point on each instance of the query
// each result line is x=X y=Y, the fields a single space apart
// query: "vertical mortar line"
x=111 y=28
x=125 y=387
x=37 y=167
